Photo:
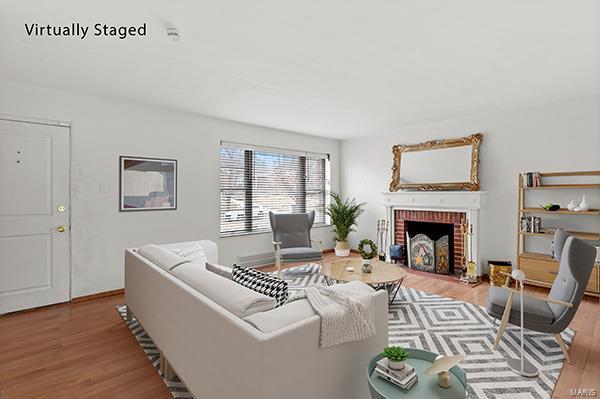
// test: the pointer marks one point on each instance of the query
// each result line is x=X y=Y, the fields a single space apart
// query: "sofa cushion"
x=534 y=310
x=237 y=299
x=283 y=316
x=261 y=282
x=300 y=253
x=221 y=270
x=161 y=257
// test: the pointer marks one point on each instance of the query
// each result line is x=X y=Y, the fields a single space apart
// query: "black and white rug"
x=441 y=325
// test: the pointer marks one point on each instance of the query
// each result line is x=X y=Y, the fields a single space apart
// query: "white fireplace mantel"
x=472 y=203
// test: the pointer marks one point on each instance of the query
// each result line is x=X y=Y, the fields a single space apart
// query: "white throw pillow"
x=161 y=257
x=237 y=299
x=193 y=253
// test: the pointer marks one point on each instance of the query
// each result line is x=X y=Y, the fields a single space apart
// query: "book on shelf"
x=531 y=224
x=531 y=179
x=405 y=384
x=404 y=378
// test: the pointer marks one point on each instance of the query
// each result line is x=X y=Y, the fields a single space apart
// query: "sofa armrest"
x=292 y=356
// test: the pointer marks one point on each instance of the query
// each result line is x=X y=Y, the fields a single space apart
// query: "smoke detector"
x=173 y=34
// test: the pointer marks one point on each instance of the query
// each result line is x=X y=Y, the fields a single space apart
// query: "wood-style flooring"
x=84 y=350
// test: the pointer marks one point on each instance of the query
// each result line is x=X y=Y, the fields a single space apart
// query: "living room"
x=471 y=115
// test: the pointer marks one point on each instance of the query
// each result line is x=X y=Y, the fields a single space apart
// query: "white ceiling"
x=336 y=68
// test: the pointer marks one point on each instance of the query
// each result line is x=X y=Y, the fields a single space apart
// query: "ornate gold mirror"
x=451 y=164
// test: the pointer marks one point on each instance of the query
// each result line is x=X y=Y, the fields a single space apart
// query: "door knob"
x=61 y=229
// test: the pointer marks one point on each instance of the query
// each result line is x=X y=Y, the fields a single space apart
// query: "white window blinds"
x=255 y=180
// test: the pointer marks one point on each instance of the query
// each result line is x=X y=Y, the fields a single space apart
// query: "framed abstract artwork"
x=147 y=184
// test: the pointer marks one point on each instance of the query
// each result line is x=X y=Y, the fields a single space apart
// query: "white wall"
x=560 y=136
x=101 y=131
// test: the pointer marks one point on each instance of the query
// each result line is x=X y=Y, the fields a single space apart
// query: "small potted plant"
x=343 y=214
x=368 y=250
x=396 y=356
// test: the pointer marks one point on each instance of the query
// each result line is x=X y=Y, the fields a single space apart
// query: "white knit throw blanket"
x=346 y=315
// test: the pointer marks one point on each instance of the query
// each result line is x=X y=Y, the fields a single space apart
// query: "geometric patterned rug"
x=445 y=326
x=177 y=388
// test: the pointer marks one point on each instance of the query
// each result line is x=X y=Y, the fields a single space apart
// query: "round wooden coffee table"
x=388 y=276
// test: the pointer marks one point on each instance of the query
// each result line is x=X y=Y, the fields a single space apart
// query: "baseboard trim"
x=98 y=295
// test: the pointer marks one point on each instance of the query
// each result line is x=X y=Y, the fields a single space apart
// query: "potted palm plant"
x=343 y=214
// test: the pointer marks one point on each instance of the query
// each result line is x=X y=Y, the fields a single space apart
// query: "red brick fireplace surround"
x=454 y=218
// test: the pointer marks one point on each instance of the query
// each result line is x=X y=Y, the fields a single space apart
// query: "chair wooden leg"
x=504 y=320
x=278 y=259
x=278 y=264
x=563 y=347
x=169 y=373
x=162 y=363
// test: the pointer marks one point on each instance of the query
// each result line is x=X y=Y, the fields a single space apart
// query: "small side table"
x=425 y=388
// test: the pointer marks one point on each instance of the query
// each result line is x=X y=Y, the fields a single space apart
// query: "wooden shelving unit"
x=543 y=268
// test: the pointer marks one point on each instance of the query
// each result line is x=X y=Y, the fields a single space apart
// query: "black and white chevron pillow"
x=261 y=282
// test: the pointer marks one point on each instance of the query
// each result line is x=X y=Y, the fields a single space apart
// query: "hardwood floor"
x=84 y=350
x=81 y=350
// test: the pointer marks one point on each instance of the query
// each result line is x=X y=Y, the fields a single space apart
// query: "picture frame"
x=147 y=184
x=468 y=180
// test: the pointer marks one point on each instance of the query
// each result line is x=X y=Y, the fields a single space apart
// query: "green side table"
x=426 y=387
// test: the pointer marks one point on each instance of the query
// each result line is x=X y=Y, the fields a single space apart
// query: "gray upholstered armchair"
x=291 y=238
x=554 y=313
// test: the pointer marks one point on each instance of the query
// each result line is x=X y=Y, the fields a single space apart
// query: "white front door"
x=34 y=215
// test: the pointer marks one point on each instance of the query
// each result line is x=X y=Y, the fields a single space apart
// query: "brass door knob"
x=61 y=229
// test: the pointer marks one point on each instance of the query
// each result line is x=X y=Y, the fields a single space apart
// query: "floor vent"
x=267 y=258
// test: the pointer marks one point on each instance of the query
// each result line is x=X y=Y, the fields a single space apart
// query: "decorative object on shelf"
x=469 y=268
x=368 y=250
x=462 y=152
x=550 y=207
x=497 y=270
x=571 y=206
x=147 y=184
x=583 y=206
x=382 y=237
x=396 y=356
x=343 y=214
x=521 y=366
x=441 y=366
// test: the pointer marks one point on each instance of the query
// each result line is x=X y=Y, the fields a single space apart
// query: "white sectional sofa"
x=272 y=354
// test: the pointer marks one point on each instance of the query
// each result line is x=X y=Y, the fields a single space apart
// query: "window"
x=256 y=180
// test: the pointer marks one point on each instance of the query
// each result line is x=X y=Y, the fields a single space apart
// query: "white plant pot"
x=396 y=364
x=366 y=266
x=342 y=249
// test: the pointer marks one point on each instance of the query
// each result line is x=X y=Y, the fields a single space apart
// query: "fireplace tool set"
x=382 y=237
x=469 y=268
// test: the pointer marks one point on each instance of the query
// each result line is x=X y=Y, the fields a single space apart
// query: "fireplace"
x=431 y=239
x=446 y=207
